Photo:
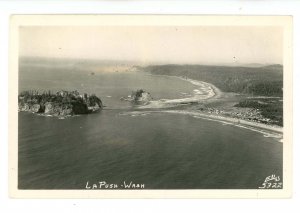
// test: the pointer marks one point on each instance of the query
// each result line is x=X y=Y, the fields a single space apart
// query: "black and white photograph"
x=151 y=104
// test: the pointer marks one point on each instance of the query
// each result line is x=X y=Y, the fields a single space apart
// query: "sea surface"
x=160 y=150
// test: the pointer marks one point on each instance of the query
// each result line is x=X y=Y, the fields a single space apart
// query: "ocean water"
x=159 y=150
x=109 y=86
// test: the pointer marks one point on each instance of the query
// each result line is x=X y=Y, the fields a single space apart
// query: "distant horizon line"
x=131 y=62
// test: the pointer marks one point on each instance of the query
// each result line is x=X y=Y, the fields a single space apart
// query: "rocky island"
x=61 y=104
x=139 y=96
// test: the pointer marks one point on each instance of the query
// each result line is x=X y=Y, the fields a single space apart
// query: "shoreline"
x=215 y=93
x=235 y=121
x=266 y=130
x=205 y=91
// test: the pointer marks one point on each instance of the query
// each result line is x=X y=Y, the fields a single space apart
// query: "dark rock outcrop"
x=139 y=97
x=63 y=103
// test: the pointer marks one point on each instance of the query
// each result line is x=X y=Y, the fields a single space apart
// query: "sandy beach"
x=204 y=91
x=207 y=92
x=266 y=130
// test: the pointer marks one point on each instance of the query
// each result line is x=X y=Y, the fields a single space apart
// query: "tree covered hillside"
x=264 y=81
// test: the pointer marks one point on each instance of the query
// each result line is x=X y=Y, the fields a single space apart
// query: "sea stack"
x=139 y=96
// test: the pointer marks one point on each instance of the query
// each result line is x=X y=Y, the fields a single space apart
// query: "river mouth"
x=145 y=145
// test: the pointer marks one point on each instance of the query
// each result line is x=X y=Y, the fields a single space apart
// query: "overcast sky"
x=206 y=45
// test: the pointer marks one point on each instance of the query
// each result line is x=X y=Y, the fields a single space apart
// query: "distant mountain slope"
x=265 y=81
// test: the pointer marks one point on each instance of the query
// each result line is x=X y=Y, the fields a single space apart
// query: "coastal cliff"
x=62 y=103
